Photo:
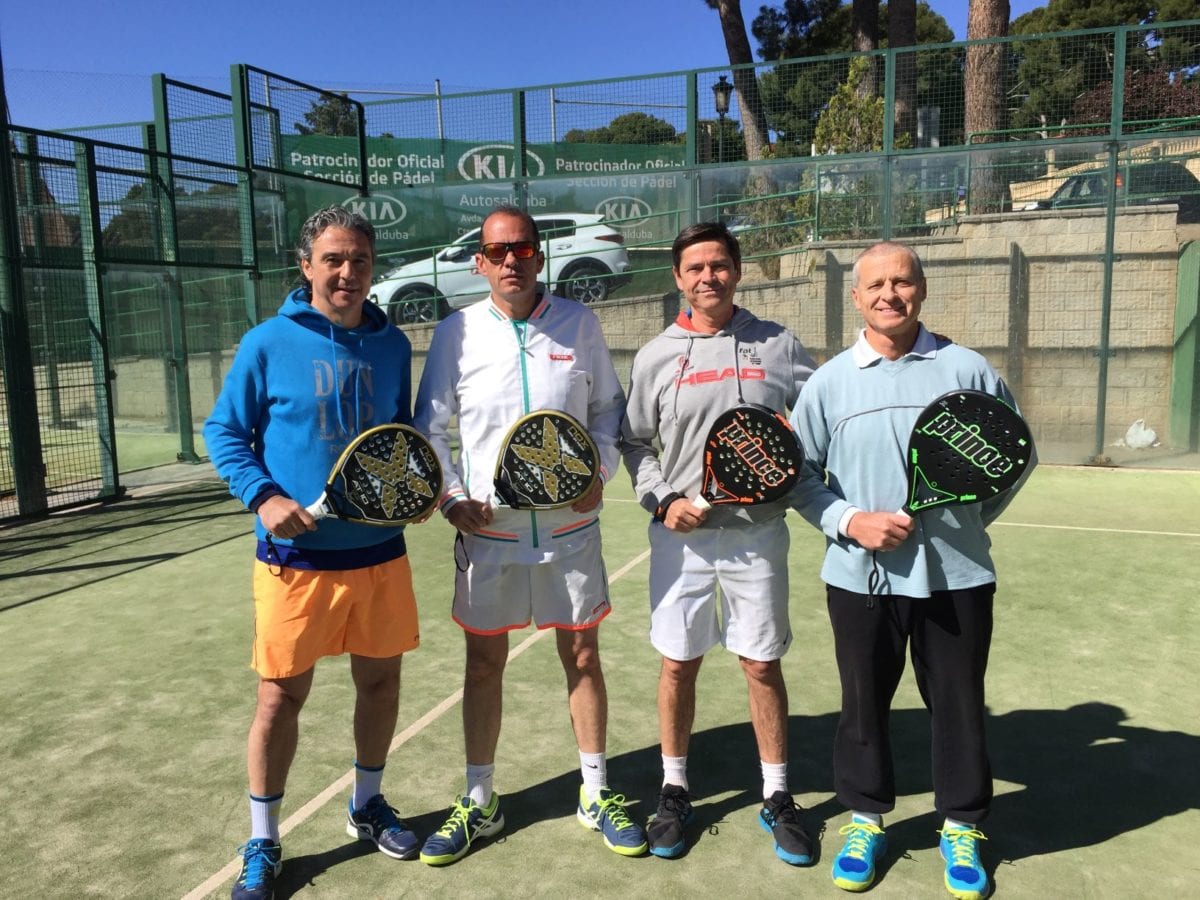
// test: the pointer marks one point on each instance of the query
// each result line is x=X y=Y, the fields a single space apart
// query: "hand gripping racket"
x=548 y=460
x=388 y=475
x=751 y=455
x=966 y=447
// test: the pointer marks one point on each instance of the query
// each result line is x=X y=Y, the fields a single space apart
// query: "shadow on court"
x=54 y=556
x=1110 y=778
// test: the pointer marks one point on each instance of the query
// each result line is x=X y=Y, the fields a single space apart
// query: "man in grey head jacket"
x=717 y=575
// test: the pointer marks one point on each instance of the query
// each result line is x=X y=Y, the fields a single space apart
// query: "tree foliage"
x=333 y=114
x=629 y=128
x=796 y=93
x=1053 y=75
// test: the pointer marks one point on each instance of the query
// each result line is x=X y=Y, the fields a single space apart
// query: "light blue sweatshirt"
x=854 y=418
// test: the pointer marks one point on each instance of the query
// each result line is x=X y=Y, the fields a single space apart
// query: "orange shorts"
x=301 y=615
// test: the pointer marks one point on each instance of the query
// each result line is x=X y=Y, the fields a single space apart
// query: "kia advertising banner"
x=426 y=193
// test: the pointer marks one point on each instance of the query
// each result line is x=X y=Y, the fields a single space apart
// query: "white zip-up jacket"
x=488 y=370
x=682 y=380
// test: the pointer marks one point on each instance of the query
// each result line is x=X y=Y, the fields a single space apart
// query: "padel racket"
x=751 y=455
x=388 y=475
x=547 y=460
x=966 y=447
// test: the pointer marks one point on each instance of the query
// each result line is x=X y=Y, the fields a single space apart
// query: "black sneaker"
x=665 y=831
x=261 y=864
x=378 y=823
x=780 y=818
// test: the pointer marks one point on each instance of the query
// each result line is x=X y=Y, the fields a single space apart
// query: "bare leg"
x=483 y=692
x=377 y=682
x=587 y=695
x=768 y=708
x=275 y=731
x=677 y=704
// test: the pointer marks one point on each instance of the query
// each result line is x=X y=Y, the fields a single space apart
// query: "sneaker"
x=665 y=832
x=377 y=822
x=854 y=866
x=468 y=821
x=965 y=877
x=607 y=815
x=261 y=864
x=780 y=818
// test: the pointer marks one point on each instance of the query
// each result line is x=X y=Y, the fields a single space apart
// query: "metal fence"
x=136 y=255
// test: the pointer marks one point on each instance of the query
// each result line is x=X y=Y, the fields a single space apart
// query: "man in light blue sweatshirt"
x=936 y=578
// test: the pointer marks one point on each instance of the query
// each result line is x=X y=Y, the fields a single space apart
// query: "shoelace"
x=383 y=816
x=675 y=804
x=859 y=838
x=458 y=818
x=614 y=807
x=964 y=848
x=786 y=812
x=257 y=862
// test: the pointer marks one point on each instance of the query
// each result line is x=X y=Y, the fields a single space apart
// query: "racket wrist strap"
x=660 y=513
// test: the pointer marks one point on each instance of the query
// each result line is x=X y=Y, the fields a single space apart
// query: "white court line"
x=308 y=809
x=1188 y=534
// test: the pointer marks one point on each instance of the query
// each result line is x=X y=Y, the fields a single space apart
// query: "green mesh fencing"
x=1051 y=181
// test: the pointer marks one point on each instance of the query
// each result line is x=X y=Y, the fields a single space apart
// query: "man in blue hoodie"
x=302 y=385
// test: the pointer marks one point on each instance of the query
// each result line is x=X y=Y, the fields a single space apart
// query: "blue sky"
x=467 y=44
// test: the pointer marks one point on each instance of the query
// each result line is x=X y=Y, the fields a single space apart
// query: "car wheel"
x=414 y=305
x=586 y=282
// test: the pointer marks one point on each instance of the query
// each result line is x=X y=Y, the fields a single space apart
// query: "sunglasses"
x=498 y=251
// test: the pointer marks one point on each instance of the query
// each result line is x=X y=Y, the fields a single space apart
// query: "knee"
x=276 y=703
x=676 y=673
x=760 y=672
x=484 y=668
x=584 y=661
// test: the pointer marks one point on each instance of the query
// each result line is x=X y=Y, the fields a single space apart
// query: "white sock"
x=867 y=818
x=479 y=783
x=594 y=767
x=264 y=817
x=367 y=783
x=675 y=771
x=774 y=778
x=957 y=825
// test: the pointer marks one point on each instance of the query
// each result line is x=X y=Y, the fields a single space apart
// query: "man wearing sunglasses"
x=516 y=351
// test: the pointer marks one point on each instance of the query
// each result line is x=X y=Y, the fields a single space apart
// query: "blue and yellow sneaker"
x=854 y=866
x=468 y=821
x=965 y=877
x=261 y=864
x=378 y=823
x=607 y=815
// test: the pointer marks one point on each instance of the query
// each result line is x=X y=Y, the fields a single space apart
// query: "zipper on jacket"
x=520 y=328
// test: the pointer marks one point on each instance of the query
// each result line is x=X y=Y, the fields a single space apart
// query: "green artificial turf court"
x=124 y=633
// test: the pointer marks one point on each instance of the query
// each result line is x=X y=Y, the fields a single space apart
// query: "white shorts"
x=720 y=585
x=568 y=592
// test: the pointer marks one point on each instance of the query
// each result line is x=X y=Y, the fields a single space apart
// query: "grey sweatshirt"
x=682 y=380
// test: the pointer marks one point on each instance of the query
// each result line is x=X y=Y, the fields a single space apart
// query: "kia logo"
x=381 y=211
x=496 y=162
x=624 y=212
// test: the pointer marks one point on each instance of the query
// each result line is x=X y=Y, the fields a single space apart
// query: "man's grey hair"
x=332 y=217
x=889 y=247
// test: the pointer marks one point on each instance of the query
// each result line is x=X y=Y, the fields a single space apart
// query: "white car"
x=585 y=261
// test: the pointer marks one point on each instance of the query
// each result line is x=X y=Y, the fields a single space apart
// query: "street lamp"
x=722 y=91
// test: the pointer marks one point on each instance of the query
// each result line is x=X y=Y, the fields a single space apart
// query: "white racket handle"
x=701 y=503
x=318 y=510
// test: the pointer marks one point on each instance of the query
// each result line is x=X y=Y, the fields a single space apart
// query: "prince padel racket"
x=966 y=447
x=751 y=455
x=388 y=475
x=547 y=460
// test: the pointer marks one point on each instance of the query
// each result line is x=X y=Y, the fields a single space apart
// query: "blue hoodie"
x=300 y=388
